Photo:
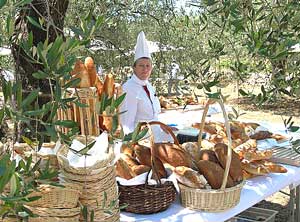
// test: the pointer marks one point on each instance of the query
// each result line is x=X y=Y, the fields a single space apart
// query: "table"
x=254 y=191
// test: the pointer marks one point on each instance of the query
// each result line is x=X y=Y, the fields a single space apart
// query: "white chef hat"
x=141 y=47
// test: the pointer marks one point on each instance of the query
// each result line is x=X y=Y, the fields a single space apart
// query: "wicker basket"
x=86 y=117
x=53 y=212
x=91 y=170
x=145 y=198
x=56 y=197
x=213 y=200
x=54 y=219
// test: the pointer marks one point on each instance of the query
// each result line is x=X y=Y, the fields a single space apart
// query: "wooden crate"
x=86 y=117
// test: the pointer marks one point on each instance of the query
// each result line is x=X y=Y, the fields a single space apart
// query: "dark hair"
x=134 y=64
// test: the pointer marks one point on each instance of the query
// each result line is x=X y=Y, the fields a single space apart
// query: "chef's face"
x=143 y=68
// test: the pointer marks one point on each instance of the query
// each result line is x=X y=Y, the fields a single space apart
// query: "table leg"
x=297 y=213
x=292 y=205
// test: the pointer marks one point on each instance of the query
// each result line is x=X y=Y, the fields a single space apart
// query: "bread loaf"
x=158 y=169
x=90 y=66
x=126 y=149
x=129 y=160
x=213 y=173
x=99 y=86
x=192 y=149
x=189 y=177
x=261 y=135
x=272 y=167
x=123 y=170
x=258 y=155
x=143 y=154
x=209 y=155
x=140 y=169
x=235 y=170
x=255 y=168
x=172 y=154
x=109 y=85
x=81 y=72
x=205 y=144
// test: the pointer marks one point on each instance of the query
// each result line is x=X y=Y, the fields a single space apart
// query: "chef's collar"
x=139 y=81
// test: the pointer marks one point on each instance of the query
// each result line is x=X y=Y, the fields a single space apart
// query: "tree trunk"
x=53 y=13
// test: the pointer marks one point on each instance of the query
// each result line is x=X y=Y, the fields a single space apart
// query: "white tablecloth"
x=254 y=191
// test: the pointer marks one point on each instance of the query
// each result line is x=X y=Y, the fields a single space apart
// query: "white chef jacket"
x=138 y=106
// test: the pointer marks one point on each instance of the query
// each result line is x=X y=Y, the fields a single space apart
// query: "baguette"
x=189 y=177
x=90 y=66
x=99 y=86
x=109 y=85
x=255 y=168
x=261 y=135
x=257 y=155
x=272 y=167
x=81 y=72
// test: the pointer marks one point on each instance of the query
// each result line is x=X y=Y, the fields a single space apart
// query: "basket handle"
x=166 y=128
x=153 y=163
x=227 y=127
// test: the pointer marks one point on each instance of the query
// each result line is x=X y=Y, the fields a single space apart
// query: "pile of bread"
x=173 y=102
x=244 y=143
x=192 y=167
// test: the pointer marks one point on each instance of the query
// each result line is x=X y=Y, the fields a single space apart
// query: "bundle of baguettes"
x=87 y=74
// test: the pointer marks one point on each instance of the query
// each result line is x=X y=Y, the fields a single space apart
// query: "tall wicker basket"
x=86 y=117
x=145 y=198
x=212 y=200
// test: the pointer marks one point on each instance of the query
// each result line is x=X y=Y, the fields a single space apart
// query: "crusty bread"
x=123 y=170
x=261 y=135
x=158 y=169
x=255 y=168
x=208 y=155
x=213 y=173
x=235 y=170
x=258 y=155
x=247 y=175
x=172 y=154
x=126 y=149
x=109 y=85
x=143 y=154
x=90 y=66
x=140 y=169
x=205 y=144
x=278 y=137
x=81 y=72
x=192 y=149
x=189 y=177
x=272 y=167
x=99 y=85
x=129 y=160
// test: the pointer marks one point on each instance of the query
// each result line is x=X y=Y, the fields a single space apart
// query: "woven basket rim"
x=229 y=189
x=64 y=163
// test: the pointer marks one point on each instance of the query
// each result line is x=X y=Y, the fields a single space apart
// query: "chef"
x=141 y=103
